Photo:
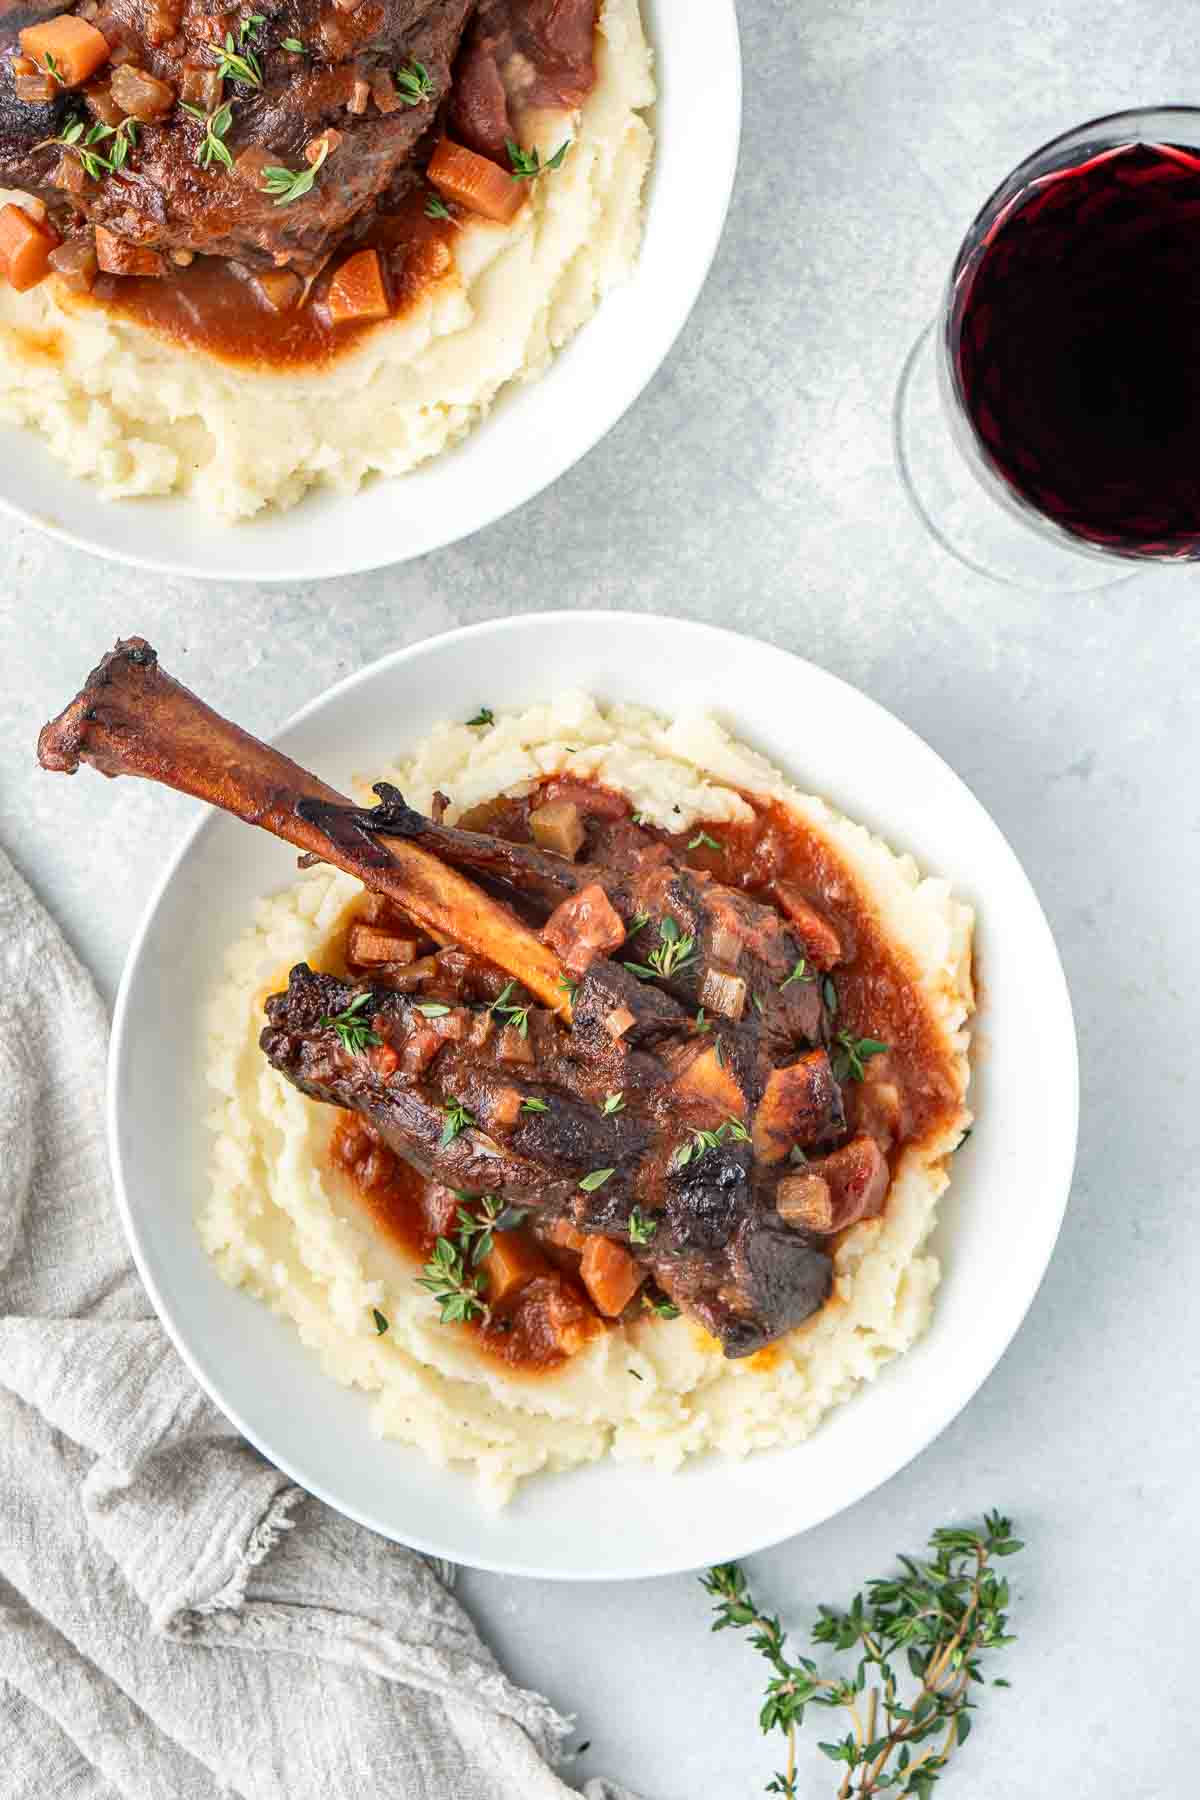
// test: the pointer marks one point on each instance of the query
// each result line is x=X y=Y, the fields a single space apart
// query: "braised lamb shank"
x=205 y=98
x=727 y=1165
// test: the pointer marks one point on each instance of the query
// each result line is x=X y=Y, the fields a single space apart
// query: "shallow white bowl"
x=534 y=434
x=998 y=1224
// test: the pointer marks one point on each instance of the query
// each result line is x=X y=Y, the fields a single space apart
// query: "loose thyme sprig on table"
x=942 y=1614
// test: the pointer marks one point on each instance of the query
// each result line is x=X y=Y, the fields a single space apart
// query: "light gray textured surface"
x=753 y=485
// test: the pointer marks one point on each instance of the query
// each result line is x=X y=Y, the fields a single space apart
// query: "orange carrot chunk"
x=68 y=48
x=25 y=248
x=610 y=1275
x=479 y=185
x=511 y=1264
x=357 y=290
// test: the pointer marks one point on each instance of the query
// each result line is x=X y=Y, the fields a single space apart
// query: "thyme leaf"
x=415 y=83
x=458 y=1118
x=292 y=184
x=485 y=715
x=613 y=1103
x=595 y=1180
x=852 y=1054
x=702 y=839
x=240 y=64
x=801 y=972
x=641 y=1229
x=527 y=165
x=212 y=147
x=352 y=1027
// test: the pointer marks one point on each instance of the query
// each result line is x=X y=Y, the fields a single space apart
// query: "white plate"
x=535 y=432
x=998 y=1224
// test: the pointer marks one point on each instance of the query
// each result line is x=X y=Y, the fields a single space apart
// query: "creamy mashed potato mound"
x=279 y=1222
x=138 y=414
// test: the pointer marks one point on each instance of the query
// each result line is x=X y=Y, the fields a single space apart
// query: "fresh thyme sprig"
x=703 y=1141
x=415 y=83
x=485 y=716
x=702 y=839
x=674 y=953
x=292 y=184
x=942 y=1613
x=50 y=64
x=351 y=1026
x=641 y=1228
x=666 y=1309
x=458 y=1117
x=534 y=1106
x=613 y=1103
x=436 y=208
x=517 y=1016
x=801 y=972
x=237 y=61
x=211 y=147
x=527 y=165
x=81 y=139
x=452 y=1273
x=458 y=1293
x=852 y=1054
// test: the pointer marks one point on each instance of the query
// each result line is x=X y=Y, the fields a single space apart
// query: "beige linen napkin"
x=177 y=1620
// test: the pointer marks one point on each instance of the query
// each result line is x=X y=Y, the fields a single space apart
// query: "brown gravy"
x=213 y=307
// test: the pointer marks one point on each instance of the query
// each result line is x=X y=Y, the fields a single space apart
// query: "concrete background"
x=754 y=485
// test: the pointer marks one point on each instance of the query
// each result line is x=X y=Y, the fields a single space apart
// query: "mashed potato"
x=140 y=415
x=280 y=1223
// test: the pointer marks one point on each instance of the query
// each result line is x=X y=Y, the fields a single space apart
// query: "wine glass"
x=1046 y=422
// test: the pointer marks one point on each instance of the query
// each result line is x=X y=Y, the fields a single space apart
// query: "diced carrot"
x=479 y=185
x=117 y=256
x=511 y=1263
x=566 y=1235
x=357 y=290
x=708 y=1079
x=610 y=1275
x=75 y=48
x=25 y=248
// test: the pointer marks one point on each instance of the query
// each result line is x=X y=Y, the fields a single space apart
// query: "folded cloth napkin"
x=177 y=1620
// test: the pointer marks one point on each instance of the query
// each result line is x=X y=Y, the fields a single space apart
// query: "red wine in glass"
x=1073 y=344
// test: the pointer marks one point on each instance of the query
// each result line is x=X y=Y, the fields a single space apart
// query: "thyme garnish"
x=216 y=124
x=292 y=184
x=852 y=1054
x=436 y=208
x=943 y=1614
x=352 y=1028
x=595 y=1180
x=294 y=45
x=485 y=715
x=517 y=1016
x=237 y=62
x=534 y=1106
x=801 y=972
x=641 y=1229
x=415 y=83
x=80 y=138
x=613 y=1103
x=675 y=952
x=703 y=1141
x=457 y=1292
x=666 y=1309
x=527 y=165
x=702 y=838
x=381 y=1323
x=458 y=1118
x=432 y=1009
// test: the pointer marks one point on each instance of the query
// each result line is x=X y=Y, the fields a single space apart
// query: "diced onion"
x=804 y=1200
x=723 y=993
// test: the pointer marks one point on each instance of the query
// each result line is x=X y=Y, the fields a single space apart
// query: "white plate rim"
x=621 y=393
x=958 y=1389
